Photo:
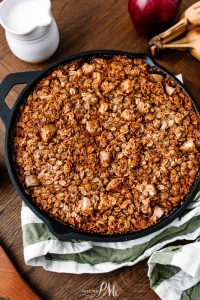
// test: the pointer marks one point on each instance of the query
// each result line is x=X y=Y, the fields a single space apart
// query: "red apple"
x=152 y=16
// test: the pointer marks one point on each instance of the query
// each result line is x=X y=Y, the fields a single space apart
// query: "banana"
x=191 y=43
x=189 y=20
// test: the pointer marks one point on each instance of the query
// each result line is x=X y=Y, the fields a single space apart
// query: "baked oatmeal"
x=107 y=145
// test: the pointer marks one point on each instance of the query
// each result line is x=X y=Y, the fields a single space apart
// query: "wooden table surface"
x=83 y=25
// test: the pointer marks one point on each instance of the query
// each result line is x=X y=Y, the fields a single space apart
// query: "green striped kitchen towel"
x=174 y=272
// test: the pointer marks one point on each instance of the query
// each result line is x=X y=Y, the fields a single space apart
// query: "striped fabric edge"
x=57 y=265
x=172 y=275
x=192 y=293
x=42 y=248
x=28 y=217
x=174 y=287
x=72 y=267
x=190 y=264
x=164 y=255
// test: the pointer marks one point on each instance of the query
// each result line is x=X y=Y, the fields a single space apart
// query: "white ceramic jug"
x=31 y=31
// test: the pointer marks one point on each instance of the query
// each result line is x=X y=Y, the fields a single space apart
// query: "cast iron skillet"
x=9 y=116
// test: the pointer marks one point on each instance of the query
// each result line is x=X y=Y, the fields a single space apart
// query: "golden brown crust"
x=113 y=144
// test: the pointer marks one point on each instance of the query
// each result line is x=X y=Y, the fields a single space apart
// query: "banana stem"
x=179 y=46
x=174 y=31
x=170 y=34
x=183 y=43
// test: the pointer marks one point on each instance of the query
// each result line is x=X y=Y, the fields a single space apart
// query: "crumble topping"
x=107 y=145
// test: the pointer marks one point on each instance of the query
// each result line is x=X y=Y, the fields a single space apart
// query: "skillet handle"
x=6 y=85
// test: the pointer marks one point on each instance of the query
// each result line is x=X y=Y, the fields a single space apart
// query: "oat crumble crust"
x=107 y=145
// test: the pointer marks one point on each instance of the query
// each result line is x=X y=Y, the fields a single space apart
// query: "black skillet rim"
x=64 y=231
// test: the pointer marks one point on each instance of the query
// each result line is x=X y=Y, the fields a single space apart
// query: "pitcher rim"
x=25 y=32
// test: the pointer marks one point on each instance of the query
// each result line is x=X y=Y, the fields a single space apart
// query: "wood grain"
x=84 y=25
x=12 y=286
